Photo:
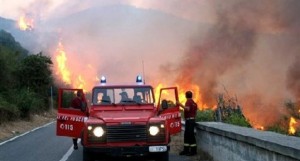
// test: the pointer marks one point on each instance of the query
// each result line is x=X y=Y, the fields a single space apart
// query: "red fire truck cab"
x=122 y=120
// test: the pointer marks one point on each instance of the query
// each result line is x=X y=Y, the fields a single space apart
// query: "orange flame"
x=258 y=127
x=181 y=92
x=80 y=83
x=292 y=128
x=25 y=23
x=65 y=71
x=61 y=60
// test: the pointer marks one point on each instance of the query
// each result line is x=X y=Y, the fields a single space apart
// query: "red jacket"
x=76 y=103
x=193 y=109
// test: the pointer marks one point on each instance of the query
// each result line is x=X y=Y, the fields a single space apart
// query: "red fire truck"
x=122 y=120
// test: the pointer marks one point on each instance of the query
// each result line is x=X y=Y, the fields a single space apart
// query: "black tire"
x=162 y=157
x=87 y=156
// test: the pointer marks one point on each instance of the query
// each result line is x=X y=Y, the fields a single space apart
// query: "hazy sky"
x=198 y=10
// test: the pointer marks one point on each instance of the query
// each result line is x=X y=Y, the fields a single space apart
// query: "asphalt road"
x=42 y=144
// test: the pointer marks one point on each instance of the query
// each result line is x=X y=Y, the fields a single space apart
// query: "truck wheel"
x=163 y=157
x=87 y=156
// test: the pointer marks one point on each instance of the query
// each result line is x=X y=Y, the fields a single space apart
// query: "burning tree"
x=294 y=115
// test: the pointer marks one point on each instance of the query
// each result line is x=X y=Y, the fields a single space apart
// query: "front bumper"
x=129 y=151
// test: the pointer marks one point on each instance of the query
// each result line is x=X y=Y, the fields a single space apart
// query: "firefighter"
x=77 y=103
x=190 y=108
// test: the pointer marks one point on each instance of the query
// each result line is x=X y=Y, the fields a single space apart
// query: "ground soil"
x=14 y=128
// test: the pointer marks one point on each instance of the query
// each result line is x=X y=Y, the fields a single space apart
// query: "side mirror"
x=164 y=104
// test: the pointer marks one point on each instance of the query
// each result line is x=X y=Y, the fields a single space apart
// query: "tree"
x=11 y=53
x=35 y=74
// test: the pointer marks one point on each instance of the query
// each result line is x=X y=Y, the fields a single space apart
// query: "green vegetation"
x=237 y=119
x=25 y=80
x=205 y=115
x=282 y=125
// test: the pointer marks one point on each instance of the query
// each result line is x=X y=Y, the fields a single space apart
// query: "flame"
x=181 y=92
x=61 y=60
x=25 y=23
x=157 y=90
x=80 y=83
x=292 y=128
x=259 y=127
x=196 y=95
x=65 y=70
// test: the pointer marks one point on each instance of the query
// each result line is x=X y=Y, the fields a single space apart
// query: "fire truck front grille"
x=124 y=133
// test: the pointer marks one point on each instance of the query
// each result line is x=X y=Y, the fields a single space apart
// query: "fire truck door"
x=169 y=109
x=70 y=120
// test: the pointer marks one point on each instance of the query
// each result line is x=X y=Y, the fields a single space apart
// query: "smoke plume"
x=251 y=51
x=250 y=48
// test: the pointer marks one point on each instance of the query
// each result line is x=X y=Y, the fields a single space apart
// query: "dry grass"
x=11 y=129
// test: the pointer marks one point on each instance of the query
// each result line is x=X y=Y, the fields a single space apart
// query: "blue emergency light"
x=139 y=79
x=102 y=80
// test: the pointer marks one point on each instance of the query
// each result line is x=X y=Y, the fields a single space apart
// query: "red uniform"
x=193 y=108
x=76 y=103
x=190 y=145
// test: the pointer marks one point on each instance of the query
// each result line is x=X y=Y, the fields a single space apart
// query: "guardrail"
x=226 y=142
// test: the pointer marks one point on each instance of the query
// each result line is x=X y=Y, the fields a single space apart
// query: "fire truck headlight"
x=153 y=130
x=98 y=131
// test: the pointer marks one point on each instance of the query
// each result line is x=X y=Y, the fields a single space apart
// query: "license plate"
x=158 y=148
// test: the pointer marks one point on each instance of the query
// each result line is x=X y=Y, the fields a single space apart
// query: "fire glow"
x=181 y=92
x=61 y=60
x=66 y=72
x=292 y=126
x=25 y=23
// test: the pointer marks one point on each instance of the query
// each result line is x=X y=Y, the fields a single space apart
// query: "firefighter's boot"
x=193 y=151
x=185 y=150
x=75 y=144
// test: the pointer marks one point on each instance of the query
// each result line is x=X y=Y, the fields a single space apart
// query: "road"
x=42 y=144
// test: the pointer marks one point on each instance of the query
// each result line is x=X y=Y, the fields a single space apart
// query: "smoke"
x=293 y=78
x=249 y=47
x=251 y=50
x=111 y=38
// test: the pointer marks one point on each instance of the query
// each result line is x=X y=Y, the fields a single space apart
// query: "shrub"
x=28 y=102
x=205 y=115
x=8 y=112
x=277 y=128
x=237 y=119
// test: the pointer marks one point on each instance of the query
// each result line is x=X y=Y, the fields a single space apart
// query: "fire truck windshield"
x=126 y=95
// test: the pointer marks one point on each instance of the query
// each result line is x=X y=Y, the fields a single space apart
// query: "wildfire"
x=181 y=92
x=292 y=124
x=258 y=127
x=80 y=83
x=61 y=60
x=25 y=23
x=65 y=67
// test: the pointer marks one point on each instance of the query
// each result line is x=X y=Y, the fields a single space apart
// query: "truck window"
x=69 y=99
x=128 y=95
